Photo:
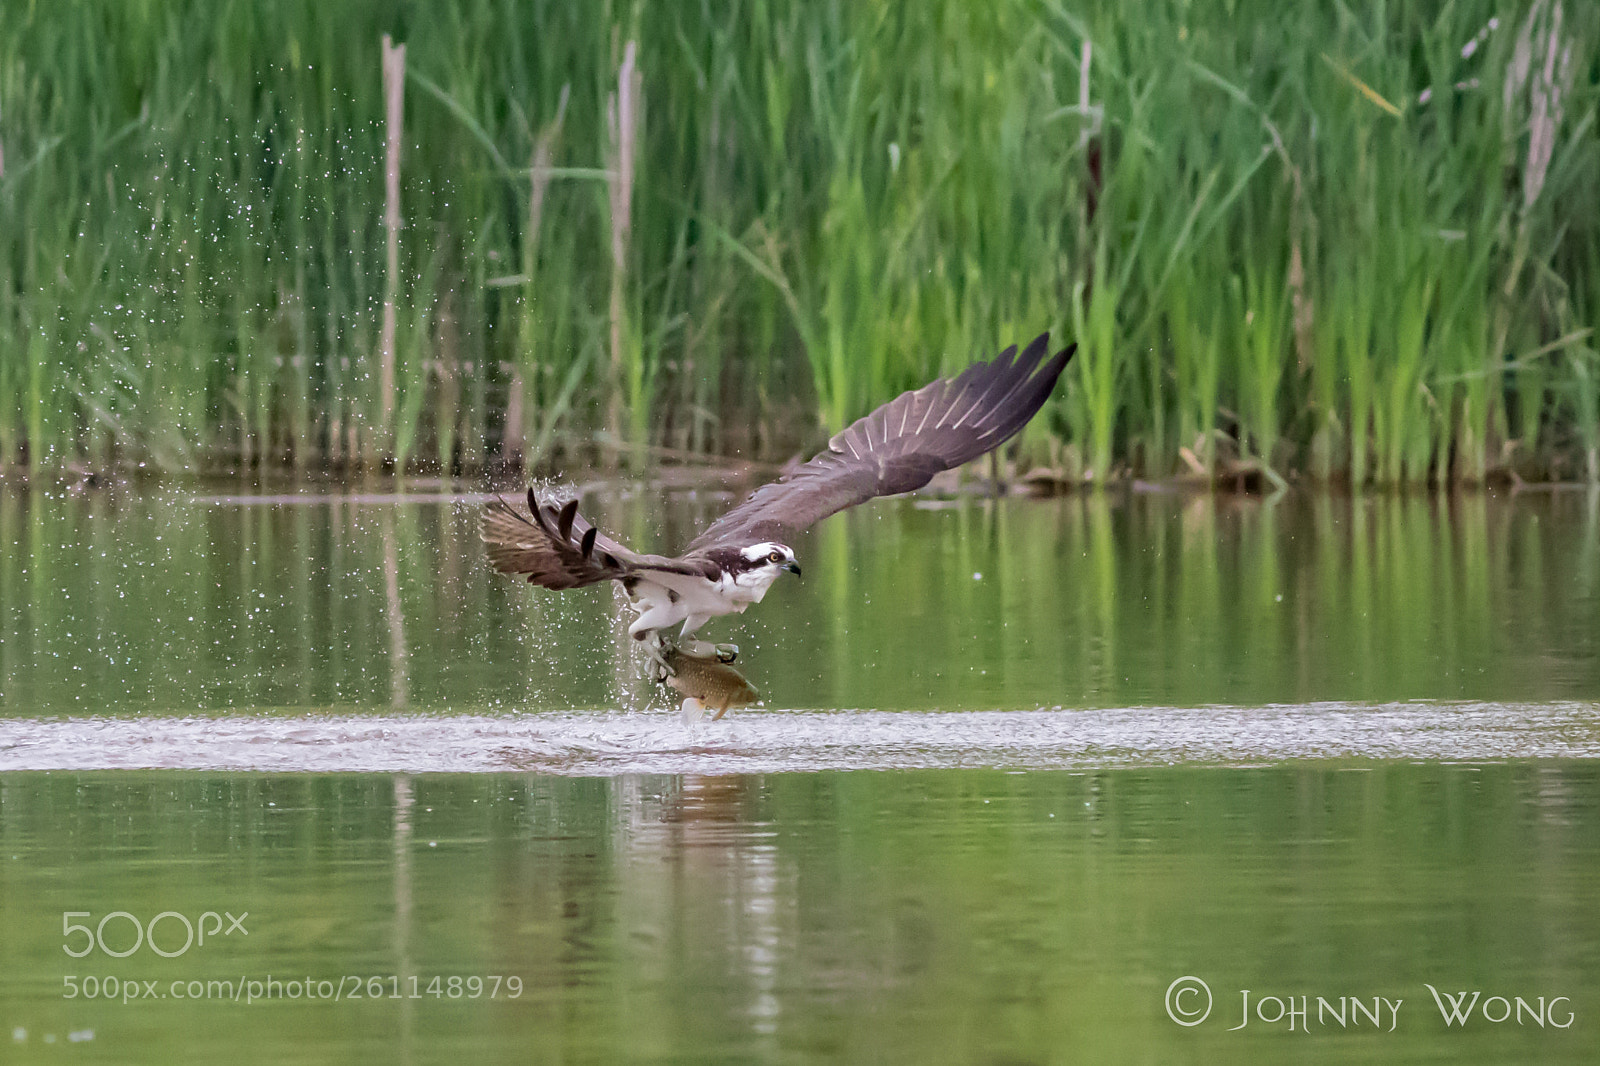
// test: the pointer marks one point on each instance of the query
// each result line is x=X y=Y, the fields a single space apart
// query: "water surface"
x=1024 y=766
x=195 y=602
x=919 y=916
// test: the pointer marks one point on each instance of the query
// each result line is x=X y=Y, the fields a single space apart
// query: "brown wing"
x=900 y=446
x=557 y=548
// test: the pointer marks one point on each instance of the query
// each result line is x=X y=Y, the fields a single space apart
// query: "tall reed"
x=1354 y=241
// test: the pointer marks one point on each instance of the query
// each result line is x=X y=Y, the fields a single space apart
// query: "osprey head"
x=770 y=557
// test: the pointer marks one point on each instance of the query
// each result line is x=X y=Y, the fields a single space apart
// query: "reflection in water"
x=927 y=916
x=689 y=859
x=160 y=604
x=403 y=967
x=394 y=615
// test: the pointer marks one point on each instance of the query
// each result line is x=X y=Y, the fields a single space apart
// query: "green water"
x=965 y=915
x=184 y=602
x=1320 y=748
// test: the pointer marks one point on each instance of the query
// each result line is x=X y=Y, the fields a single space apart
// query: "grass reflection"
x=167 y=604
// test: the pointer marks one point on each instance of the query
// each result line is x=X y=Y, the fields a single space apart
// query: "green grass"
x=1319 y=238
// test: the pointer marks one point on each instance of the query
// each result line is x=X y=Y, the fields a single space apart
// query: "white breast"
x=664 y=600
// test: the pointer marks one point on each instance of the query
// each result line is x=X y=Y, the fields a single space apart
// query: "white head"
x=762 y=563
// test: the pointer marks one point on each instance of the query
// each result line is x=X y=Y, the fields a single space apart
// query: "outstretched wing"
x=558 y=549
x=900 y=446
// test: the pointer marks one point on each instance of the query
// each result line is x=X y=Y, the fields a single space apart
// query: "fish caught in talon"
x=706 y=683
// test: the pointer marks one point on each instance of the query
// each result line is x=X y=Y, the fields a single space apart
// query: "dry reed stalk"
x=394 y=81
x=622 y=120
x=1545 y=88
x=1540 y=91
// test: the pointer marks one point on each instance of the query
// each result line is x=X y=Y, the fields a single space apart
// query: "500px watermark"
x=1189 y=1002
x=209 y=923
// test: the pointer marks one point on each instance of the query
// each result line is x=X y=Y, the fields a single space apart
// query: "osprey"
x=897 y=448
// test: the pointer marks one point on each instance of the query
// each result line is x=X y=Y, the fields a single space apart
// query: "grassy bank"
x=1360 y=242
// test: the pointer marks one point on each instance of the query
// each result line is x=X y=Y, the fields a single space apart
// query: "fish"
x=706 y=683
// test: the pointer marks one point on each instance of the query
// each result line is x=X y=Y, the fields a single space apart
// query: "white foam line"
x=601 y=743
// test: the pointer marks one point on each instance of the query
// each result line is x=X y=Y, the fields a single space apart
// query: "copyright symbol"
x=1183 y=1001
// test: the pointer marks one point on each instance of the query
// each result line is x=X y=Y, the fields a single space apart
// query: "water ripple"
x=604 y=743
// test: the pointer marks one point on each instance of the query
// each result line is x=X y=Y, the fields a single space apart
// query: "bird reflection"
x=702 y=857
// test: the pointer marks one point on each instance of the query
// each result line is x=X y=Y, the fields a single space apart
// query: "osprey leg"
x=701 y=649
x=657 y=648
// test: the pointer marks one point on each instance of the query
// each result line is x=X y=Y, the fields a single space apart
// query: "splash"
x=599 y=743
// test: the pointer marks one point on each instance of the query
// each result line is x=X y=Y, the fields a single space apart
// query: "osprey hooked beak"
x=793 y=567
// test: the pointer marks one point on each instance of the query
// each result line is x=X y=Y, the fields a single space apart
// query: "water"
x=183 y=603
x=587 y=744
x=1022 y=767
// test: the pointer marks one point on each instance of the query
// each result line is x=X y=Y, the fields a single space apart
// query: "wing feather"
x=900 y=446
x=558 y=548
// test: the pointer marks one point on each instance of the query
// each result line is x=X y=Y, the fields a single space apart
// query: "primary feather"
x=900 y=446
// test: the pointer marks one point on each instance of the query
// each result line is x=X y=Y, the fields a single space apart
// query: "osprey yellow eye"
x=775 y=557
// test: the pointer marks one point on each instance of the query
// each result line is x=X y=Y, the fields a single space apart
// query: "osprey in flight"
x=897 y=448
